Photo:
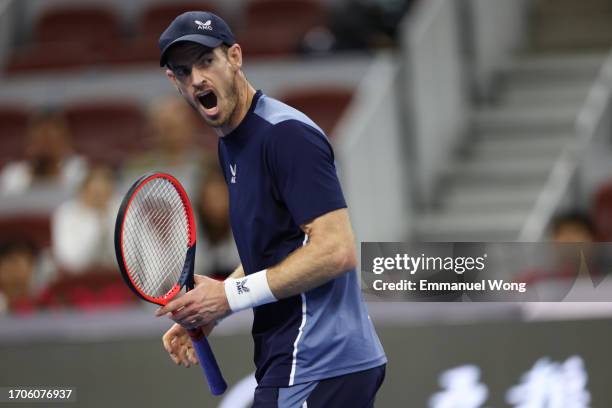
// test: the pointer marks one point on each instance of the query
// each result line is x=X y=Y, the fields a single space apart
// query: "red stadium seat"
x=325 y=106
x=106 y=130
x=290 y=15
x=92 y=289
x=91 y=24
x=13 y=127
x=267 y=42
x=69 y=36
x=156 y=17
x=603 y=212
x=154 y=20
x=32 y=228
x=276 y=27
x=53 y=56
x=139 y=50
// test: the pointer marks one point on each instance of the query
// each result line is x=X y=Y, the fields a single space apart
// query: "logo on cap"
x=203 y=26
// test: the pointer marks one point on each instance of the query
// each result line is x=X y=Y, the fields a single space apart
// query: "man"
x=314 y=343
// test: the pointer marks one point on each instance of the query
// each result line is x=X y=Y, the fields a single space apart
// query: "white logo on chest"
x=233 y=171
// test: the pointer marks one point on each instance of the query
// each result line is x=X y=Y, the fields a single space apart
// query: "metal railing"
x=588 y=121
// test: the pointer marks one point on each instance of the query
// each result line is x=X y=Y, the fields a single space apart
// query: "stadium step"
x=489 y=189
x=523 y=145
x=474 y=199
x=465 y=227
x=491 y=186
x=492 y=119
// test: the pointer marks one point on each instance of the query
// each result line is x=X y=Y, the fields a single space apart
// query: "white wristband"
x=248 y=292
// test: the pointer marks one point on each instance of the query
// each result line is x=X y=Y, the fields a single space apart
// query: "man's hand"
x=203 y=305
x=178 y=344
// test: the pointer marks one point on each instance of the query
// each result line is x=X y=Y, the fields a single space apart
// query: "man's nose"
x=197 y=79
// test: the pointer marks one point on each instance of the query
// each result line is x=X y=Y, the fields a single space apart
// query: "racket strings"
x=169 y=246
x=156 y=237
x=161 y=251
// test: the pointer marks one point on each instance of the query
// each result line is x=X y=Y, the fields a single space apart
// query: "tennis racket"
x=155 y=241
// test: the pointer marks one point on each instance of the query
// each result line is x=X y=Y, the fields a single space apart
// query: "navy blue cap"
x=199 y=27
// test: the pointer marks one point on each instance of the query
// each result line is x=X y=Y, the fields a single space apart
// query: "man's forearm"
x=329 y=253
x=309 y=267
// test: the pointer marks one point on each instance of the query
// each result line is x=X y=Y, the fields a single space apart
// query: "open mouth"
x=208 y=100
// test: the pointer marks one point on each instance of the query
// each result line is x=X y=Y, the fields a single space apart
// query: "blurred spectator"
x=17 y=270
x=82 y=228
x=572 y=226
x=172 y=124
x=216 y=251
x=49 y=158
x=571 y=233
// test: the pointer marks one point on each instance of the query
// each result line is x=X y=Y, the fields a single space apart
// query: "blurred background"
x=452 y=120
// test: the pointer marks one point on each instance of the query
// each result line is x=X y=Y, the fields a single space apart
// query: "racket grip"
x=216 y=383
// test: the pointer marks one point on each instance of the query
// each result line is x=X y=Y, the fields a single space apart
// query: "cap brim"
x=204 y=40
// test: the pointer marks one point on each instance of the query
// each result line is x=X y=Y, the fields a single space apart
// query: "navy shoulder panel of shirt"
x=301 y=162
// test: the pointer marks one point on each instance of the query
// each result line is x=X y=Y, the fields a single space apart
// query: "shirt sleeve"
x=301 y=163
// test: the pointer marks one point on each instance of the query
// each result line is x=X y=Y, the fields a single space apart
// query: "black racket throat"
x=187 y=280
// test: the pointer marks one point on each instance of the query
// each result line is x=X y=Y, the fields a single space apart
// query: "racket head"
x=155 y=238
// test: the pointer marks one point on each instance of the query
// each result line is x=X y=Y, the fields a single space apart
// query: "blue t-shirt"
x=280 y=172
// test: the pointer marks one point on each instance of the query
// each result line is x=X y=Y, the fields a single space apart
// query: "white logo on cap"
x=203 y=26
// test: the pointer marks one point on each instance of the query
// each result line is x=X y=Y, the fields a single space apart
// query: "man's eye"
x=205 y=61
x=182 y=72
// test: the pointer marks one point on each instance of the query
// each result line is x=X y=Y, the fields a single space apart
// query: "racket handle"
x=216 y=383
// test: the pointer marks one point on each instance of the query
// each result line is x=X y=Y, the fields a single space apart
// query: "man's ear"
x=234 y=55
x=172 y=78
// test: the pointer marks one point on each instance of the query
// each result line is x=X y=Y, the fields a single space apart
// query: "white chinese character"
x=552 y=385
x=462 y=389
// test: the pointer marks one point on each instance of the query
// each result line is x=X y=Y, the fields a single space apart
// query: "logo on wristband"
x=241 y=287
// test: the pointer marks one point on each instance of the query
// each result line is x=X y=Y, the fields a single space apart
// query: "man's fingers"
x=184 y=314
x=173 y=305
x=167 y=341
x=173 y=340
x=183 y=357
x=192 y=356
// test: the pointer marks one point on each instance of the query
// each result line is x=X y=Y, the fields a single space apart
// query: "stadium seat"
x=276 y=27
x=32 y=228
x=53 y=56
x=267 y=42
x=68 y=36
x=292 y=15
x=153 y=21
x=603 y=212
x=106 y=130
x=325 y=106
x=139 y=50
x=90 y=24
x=156 y=17
x=89 y=290
x=13 y=127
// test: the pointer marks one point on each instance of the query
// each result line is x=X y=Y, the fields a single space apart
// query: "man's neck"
x=246 y=92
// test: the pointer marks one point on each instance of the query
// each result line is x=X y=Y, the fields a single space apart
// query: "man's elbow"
x=345 y=258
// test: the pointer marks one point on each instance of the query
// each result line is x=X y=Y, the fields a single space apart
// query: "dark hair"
x=572 y=217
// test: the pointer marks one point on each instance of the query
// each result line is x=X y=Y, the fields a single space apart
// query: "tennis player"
x=315 y=345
